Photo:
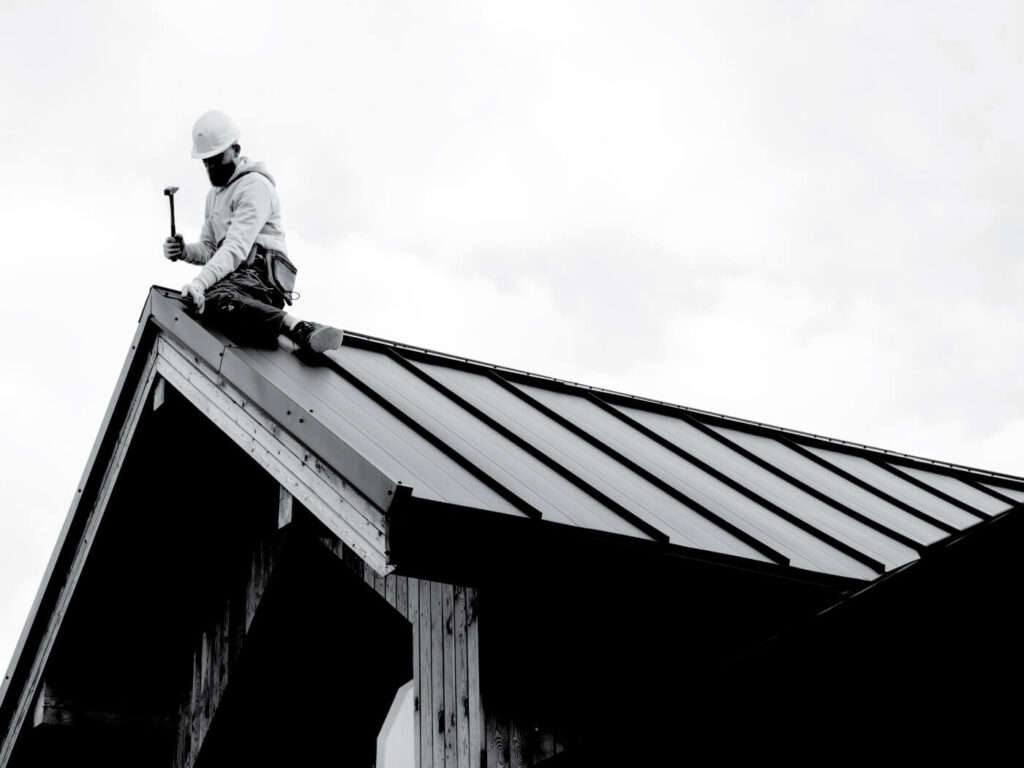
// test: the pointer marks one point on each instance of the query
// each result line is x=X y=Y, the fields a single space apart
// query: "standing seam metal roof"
x=478 y=436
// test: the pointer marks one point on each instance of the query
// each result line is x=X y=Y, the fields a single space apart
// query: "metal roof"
x=483 y=437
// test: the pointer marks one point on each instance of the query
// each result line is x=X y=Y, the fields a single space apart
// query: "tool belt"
x=278 y=270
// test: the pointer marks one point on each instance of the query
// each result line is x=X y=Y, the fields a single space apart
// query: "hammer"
x=169 y=191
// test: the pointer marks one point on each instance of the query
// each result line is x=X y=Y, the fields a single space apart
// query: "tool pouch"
x=280 y=272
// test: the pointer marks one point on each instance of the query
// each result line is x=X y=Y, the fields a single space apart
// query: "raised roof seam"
x=934 y=491
x=460 y=401
x=832 y=541
x=839 y=471
x=575 y=479
x=990 y=491
x=519 y=503
x=649 y=477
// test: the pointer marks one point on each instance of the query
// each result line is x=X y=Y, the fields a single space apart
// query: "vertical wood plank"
x=402 y=593
x=378 y=583
x=451 y=708
x=516 y=751
x=187 y=754
x=428 y=724
x=491 y=742
x=251 y=598
x=369 y=575
x=477 y=740
x=413 y=614
x=461 y=680
x=215 y=674
x=546 y=747
x=437 y=671
x=204 y=691
x=390 y=590
x=502 y=747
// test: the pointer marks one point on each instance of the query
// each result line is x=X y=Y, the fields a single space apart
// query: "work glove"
x=195 y=292
x=174 y=248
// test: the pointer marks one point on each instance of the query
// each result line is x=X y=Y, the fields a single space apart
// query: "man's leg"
x=245 y=310
x=252 y=314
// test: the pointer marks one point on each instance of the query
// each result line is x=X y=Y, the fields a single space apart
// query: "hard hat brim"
x=210 y=153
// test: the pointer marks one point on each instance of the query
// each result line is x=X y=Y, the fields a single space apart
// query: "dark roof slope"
x=472 y=435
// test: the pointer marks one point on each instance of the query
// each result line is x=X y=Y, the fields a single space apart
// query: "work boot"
x=315 y=337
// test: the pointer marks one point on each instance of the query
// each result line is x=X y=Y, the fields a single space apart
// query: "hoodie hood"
x=245 y=165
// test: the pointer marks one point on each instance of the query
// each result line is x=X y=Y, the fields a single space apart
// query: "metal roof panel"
x=379 y=435
x=657 y=460
x=813 y=548
x=547 y=438
x=838 y=487
x=1017 y=494
x=493 y=453
x=959 y=490
x=876 y=475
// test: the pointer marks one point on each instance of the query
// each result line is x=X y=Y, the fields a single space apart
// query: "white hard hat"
x=212 y=134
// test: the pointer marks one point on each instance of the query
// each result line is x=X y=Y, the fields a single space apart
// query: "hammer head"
x=170 y=191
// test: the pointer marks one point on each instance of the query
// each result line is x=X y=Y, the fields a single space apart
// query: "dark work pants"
x=245 y=308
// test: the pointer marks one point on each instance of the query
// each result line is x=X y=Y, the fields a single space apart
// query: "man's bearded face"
x=220 y=167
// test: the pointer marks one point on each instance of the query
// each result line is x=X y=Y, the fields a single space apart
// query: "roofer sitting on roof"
x=242 y=248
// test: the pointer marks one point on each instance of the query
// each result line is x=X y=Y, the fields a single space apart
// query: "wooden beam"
x=219 y=648
x=55 y=709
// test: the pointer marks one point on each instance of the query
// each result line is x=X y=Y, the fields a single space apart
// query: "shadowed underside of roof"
x=481 y=437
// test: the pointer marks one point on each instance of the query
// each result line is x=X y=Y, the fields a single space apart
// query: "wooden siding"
x=452 y=729
x=449 y=725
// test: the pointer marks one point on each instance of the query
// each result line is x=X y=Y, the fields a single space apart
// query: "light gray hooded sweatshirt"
x=244 y=211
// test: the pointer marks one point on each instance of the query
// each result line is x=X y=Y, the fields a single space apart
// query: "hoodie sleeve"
x=200 y=252
x=253 y=206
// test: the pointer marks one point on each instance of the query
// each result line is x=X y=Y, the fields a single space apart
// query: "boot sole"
x=325 y=338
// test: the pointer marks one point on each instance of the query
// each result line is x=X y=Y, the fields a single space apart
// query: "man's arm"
x=251 y=213
x=200 y=252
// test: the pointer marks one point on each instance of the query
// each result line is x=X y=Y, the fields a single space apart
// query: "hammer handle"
x=171 y=198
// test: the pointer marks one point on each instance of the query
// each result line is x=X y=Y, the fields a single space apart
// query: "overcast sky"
x=808 y=214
